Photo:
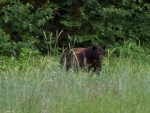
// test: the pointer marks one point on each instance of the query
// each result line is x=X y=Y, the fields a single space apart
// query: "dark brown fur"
x=87 y=58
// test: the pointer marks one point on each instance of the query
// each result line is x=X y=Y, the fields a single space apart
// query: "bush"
x=24 y=25
x=89 y=22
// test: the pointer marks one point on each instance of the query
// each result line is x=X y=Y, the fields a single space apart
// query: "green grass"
x=40 y=86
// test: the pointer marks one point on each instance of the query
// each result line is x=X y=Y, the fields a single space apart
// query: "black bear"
x=87 y=58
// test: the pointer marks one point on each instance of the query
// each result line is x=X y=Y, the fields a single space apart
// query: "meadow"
x=40 y=86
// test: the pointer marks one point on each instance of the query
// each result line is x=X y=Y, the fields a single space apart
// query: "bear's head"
x=98 y=52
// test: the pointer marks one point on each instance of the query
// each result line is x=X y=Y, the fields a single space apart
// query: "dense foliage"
x=41 y=25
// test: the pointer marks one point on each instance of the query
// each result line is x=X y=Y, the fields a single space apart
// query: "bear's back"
x=79 y=52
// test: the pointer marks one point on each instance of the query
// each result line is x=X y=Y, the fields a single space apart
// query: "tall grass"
x=42 y=87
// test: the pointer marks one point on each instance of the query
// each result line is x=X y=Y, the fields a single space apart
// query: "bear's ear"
x=94 y=47
x=104 y=47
